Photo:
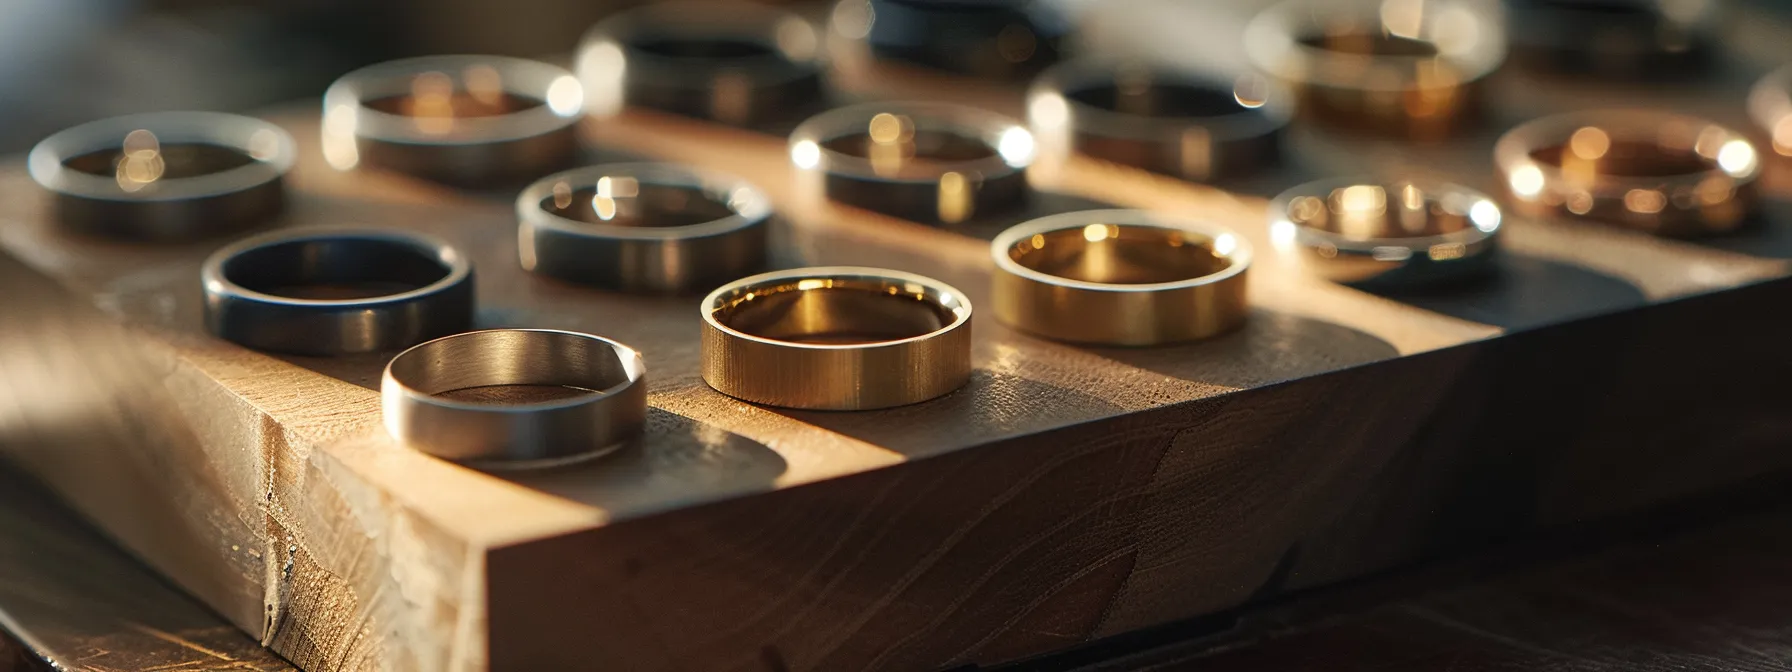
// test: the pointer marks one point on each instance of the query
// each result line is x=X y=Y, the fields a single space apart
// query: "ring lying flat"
x=463 y=120
x=333 y=291
x=167 y=176
x=1770 y=105
x=836 y=338
x=738 y=64
x=515 y=396
x=1409 y=68
x=1614 y=38
x=933 y=163
x=642 y=227
x=1120 y=277
x=1390 y=235
x=1176 y=123
x=997 y=39
x=1663 y=173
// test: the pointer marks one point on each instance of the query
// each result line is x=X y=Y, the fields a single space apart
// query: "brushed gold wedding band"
x=1402 y=68
x=1659 y=172
x=515 y=396
x=644 y=227
x=1386 y=234
x=836 y=338
x=1120 y=277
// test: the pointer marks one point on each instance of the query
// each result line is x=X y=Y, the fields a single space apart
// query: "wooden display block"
x=1065 y=494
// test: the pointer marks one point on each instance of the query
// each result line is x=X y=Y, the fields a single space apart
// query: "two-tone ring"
x=1410 y=69
x=836 y=338
x=462 y=120
x=1194 y=126
x=1120 y=277
x=925 y=162
x=738 y=64
x=646 y=227
x=165 y=176
x=332 y=291
x=1659 y=172
x=1386 y=234
x=516 y=397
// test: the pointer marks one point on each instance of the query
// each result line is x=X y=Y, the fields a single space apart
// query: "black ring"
x=1177 y=123
x=1613 y=38
x=518 y=122
x=166 y=176
x=328 y=291
x=863 y=155
x=737 y=64
x=647 y=227
x=998 y=39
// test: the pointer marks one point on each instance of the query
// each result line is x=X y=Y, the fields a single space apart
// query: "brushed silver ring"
x=1376 y=234
x=444 y=397
x=332 y=291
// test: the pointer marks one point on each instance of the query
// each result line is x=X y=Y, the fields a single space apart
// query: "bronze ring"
x=1664 y=173
x=647 y=227
x=1642 y=39
x=1386 y=235
x=516 y=397
x=1177 y=123
x=461 y=120
x=926 y=162
x=1120 y=277
x=738 y=64
x=1410 y=68
x=836 y=338
x=1770 y=105
x=332 y=291
x=166 y=176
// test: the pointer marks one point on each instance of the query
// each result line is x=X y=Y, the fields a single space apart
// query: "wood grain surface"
x=1065 y=494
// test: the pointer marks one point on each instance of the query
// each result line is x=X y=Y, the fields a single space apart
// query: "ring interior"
x=630 y=202
x=834 y=311
x=1120 y=254
x=1367 y=212
x=507 y=368
x=704 y=48
x=1355 y=41
x=898 y=147
x=1621 y=157
x=334 y=269
x=161 y=161
x=1142 y=97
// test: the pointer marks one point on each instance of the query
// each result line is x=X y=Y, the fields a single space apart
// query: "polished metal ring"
x=836 y=338
x=926 y=162
x=645 y=227
x=1412 y=69
x=993 y=40
x=1636 y=39
x=739 y=64
x=1386 y=234
x=1770 y=105
x=462 y=120
x=332 y=291
x=1188 y=125
x=1664 y=173
x=515 y=397
x=1120 y=277
x=166 y=176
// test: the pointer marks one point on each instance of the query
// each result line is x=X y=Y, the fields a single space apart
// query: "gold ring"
x=836 y=338
x=1663 y=173
x=1386 y=234
x=1399 y=68
x=1120 y=277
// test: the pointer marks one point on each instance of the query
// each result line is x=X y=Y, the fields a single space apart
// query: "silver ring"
x=1386 y=235
x=165 y=176
x=1185 y=124
x=925 y=162
x=515 y=396
x=331 y=291
x=738 y=64
x=647 y=227
x=464 y=120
